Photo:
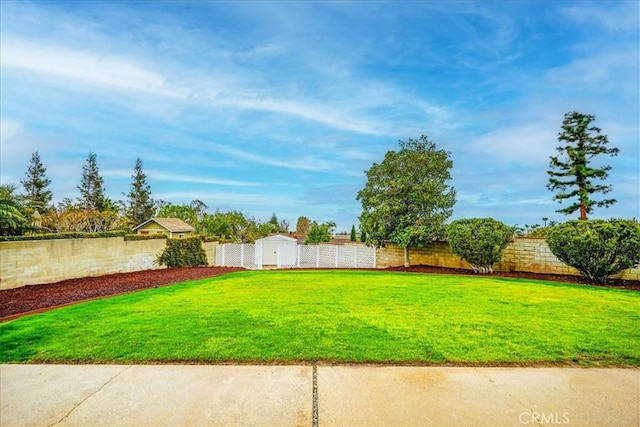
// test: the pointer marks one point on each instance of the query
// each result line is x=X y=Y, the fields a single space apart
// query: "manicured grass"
x=339 y=316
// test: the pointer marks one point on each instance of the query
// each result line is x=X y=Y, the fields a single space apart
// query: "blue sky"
x=281 y=106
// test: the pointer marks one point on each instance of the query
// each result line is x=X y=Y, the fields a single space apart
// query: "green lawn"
x=339 y=316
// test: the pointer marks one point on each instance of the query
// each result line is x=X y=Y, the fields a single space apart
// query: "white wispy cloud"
x=170 y=177
x=86 y=66
x=526 y=143
x=308 y=163
x=125 y=74
x=616 y=16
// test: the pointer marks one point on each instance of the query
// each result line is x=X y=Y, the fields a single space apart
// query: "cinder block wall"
x=210 y=250
x=522 y=254
x=32 y=262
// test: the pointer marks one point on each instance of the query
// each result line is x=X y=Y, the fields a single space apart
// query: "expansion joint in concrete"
x=314 y=414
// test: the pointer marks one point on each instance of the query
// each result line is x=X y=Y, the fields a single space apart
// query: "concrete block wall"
x=32 y=262
x=522 y=254
x=210 y=251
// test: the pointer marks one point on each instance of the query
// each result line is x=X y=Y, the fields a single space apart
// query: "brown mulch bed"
x=613 y=283
x=36 y=298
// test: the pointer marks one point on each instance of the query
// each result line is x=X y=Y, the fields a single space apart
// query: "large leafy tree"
x=37 y=195
x=140 y=205
x=407 y=198
x=92 y=187
x=184 y=212
x=319 y=233
x=572 y=175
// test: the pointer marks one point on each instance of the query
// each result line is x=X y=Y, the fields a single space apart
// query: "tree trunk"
x=406 y=256
x=583 y=207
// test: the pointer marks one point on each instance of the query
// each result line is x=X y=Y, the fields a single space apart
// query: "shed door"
x=270 y=252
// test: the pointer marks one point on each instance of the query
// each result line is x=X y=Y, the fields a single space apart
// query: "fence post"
x=355 y=257
x=336 y=256
x=242 y=255
x=317 y=256
x=375 y=257
x=298 y=256
x=224 y=248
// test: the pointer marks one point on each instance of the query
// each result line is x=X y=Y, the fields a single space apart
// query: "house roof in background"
x=174 y=225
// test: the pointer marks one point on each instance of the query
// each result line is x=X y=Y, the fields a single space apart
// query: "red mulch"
x=613 y=283
x=36 y=298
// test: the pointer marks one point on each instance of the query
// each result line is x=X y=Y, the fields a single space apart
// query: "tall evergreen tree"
x=37 y=195
x=140 y=205
x=92 y=186
x=302 y=227
x=274 y=220
x=571 y=173
x=353 y=233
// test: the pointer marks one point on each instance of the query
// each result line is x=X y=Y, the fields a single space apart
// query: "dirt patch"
x=36 y=298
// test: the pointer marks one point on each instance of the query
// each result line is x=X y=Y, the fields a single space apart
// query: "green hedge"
x=52 y=236
x=130 y=237
x=187 y=252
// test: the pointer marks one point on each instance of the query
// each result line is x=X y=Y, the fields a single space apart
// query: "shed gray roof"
x=280 y=237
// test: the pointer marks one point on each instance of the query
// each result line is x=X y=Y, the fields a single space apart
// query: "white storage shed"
x=278 y=250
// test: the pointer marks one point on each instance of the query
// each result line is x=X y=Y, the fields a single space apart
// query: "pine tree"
x=37 y=196
x=274 y=220
x=91 y=187
x=353 y=233
x=571 y=173
x=140 y=206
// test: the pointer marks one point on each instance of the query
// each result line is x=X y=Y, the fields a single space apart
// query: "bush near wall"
x=52 y=236
x=479 y=241
x=187 y=252
x=598 y=249
x=133 y=237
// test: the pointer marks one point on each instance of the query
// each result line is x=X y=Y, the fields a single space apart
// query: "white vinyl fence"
x=249 y=255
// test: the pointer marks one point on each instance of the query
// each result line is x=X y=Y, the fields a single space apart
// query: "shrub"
x=186 y=252
x=68 y=235
x=597 y=248
x=132 y=237
x=479 y=241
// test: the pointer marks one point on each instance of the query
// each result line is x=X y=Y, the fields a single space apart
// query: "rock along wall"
x=522 y=254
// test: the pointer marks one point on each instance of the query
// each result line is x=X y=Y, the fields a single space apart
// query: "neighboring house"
x=171 y=227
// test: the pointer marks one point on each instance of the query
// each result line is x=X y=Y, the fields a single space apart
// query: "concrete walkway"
x=179 y=395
